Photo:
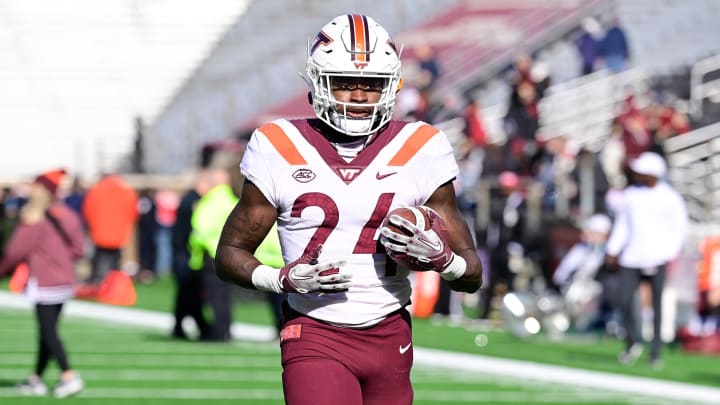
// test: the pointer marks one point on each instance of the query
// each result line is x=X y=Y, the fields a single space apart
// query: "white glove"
x=424 y=249
x=304 y=275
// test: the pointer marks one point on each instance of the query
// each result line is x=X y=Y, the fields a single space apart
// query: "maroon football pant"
x=329 y=365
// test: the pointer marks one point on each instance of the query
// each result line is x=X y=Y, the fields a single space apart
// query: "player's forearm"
x=235 y=265
x=472 y=278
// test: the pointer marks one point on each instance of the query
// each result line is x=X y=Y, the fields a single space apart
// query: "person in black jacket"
x=189 y=294
x=503 y=237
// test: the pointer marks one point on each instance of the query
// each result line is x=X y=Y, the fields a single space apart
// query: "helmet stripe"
x=282 y=143
x=413 y=144
x=359 y=38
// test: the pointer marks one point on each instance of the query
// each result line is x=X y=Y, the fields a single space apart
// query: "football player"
x=329 y=182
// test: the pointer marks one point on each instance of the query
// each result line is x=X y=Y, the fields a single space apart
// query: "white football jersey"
x=324 y=200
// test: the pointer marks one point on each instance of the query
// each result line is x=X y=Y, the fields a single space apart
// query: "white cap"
x=650 y=164
x=597 y=223
x=592 y=26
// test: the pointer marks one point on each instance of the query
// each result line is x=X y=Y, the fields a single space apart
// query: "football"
x=418 y=215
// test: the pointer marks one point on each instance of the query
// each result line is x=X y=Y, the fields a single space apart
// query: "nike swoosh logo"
x=437 y=246
x=293 y=276
x=382 y=176
x=403 y=349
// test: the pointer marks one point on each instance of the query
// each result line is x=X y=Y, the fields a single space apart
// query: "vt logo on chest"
x=348 y=173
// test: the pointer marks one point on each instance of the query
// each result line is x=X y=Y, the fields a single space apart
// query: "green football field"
x=125 y=364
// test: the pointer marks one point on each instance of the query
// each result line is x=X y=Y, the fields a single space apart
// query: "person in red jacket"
x=48 y=240
x=110 y=210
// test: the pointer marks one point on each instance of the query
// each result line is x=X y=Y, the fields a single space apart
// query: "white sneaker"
x=631 y=355
x=67 y=388
x=33 y=387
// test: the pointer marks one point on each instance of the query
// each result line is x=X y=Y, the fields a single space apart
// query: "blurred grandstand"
x=143 y=86
x=76 y=75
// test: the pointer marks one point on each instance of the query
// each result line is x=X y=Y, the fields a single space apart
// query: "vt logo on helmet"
x=353 y=52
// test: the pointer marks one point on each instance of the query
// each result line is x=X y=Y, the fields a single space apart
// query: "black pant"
x=500 y=274
x=629 y=282
x=104 y=260
x=218 y=296
x=49 y=343
x=189 y=301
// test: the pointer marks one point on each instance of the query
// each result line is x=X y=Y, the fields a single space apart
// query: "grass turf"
x=592 y=352
x=135 y=366
x=124 y=365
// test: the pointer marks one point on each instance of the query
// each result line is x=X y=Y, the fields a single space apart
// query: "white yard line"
x=134 y=317
x=523 y=370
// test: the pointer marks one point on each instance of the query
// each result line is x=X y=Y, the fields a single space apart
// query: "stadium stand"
x=194 y=77
x=252 y=69
x=74 y=74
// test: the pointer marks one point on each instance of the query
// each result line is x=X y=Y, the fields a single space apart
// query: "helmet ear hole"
x=399 y=85
x=310 y=98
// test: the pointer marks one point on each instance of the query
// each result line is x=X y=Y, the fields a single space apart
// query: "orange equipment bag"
x=425 y=293
x=117 y=288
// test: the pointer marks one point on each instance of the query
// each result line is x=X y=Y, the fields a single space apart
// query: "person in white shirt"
x=649 y=231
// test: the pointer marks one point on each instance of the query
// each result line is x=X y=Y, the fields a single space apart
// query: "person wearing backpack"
x=48 y=239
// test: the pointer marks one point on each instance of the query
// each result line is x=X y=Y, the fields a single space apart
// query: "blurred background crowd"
x=547 y=103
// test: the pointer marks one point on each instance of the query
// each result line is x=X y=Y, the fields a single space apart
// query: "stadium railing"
x=694 y=162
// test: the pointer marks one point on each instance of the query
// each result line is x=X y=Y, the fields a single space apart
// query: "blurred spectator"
x=110 y=211
x=592 y=183
x=586 y=288
x=450 y=108
x=146 y=234
x=475 y=133
x=410 y=104
x=13 y=200
x=166 y=205
x=664 y=122
x=636 y=137
x=632 y=124
x=521 y=121
x=650 y=229
x=614 y=47
x=207 y=222
x=76 y=196
x=540 y=75
x=705 y=322
x=471 y=159
x=48 y=239
x=7 y=217
x=504 y=237
x=138 y=154
x=429 y=66
x=588 y=44
x=552 y=167
x=189 y=297
x=494 y=161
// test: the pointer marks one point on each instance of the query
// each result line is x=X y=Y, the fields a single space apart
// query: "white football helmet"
x=352 y=45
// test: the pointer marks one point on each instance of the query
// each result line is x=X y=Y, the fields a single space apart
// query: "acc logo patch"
x=303 y=175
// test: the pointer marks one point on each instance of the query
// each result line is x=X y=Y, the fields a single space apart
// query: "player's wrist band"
x=266 y=278
x=454 y=270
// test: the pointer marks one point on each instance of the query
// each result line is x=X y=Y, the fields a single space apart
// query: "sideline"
x=430 y=357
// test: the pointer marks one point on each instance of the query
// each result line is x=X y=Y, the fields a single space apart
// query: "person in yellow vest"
x=269 y=253
x=207 y=223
